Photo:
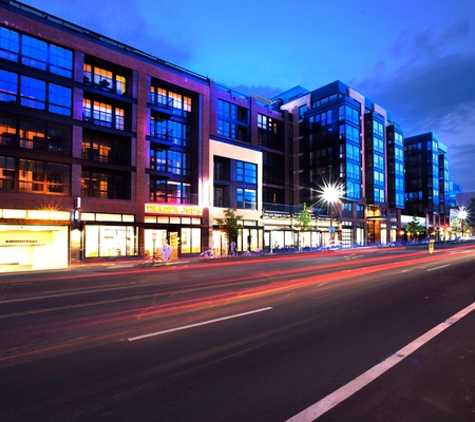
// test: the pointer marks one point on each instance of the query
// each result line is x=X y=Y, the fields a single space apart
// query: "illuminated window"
x=35 y=53
x=103 y=114
x=8 y=86
x=9 y=44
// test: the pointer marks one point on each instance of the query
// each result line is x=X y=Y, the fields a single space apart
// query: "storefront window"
x=110 y=241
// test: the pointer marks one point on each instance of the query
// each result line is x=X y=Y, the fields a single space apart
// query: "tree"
x=304 y=219
x=230 y=224
x=414 y=227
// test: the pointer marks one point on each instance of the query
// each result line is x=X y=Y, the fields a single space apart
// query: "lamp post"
x=462 y=215
x=154 y=239
x=331 y=195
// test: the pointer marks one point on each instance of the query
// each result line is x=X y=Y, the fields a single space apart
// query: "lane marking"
x=185 y=327
x=438 y=268
x=316 y=410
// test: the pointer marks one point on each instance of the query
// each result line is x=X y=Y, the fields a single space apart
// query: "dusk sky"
x=415 y=58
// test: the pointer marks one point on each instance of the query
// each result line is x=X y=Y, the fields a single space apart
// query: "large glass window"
x=169 y=161
x=246 y=172
x=35 y=93
x=35 y=53
x=8 y=86
x=162 y=190
x=179 y=104
x=9 y=44
x=7 y=172
x=40 y=177
x=104 y=79
x=105 y=149
x=103 y=114
x=246 y=198
x=103 y=184
x=232 y=121
x=59 y=99
x=32 y=93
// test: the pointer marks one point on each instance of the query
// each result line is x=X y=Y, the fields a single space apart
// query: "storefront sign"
x=181 y=210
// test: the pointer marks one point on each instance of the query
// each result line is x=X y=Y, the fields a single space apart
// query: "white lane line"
x=438 y=268
x=318 y=409
x=185 y=327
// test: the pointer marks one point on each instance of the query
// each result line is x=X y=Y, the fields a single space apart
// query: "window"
x=105 y=149
x=8 y=86
x=378 y=128
x=40 y=177
x=7 y=172
x=59 y=99
x=35 y=93
x=103 y=184
x=168 y=191
x=35 y=53
x=232 y=121
x=32 y=93
x=9 y=44
x=170 y=161
x=246 y=198
x=353 y=116
x=103 y=114
x=179 y=104
x=246 y=172
x=104 y=79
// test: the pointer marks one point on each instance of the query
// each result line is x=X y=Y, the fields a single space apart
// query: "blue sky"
x=416 y=58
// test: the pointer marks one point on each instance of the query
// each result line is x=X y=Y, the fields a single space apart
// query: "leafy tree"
x=304 y=219
x=414 y=227
x=230 y=224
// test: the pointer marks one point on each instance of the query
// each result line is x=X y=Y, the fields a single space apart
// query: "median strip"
x=185 y=327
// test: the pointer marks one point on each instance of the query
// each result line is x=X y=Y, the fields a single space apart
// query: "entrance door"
x=174 y=243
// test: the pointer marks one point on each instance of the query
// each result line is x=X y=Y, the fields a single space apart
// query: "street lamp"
x=462 y=215
x=331 y=195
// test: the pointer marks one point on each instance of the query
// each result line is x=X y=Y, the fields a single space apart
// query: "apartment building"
x=106 y=151
x=344 y=139
x=429 y=191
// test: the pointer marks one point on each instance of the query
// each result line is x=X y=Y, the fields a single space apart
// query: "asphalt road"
x=364 y=335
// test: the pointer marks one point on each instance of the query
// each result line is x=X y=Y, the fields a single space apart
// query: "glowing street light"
x=331 y=195
x=462 y=215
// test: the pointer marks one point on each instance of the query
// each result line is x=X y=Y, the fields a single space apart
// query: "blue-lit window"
x=34 y=52
x=8 y=86
x=9 y=44
x=353 y=116
x=353 y=134
x=59 y=99
x=61 y=61
x=32 y=93
x=353 y=171
x=378 y=144
x=353 y=190
x=378 y=128
x=353 y=152
x=224 y=128
x=379 y=162
x=246 y=172
x=379 y=178
x=378 y=196
x=246 y=198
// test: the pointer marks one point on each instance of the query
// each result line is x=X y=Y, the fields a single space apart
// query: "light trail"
x=88 y=330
